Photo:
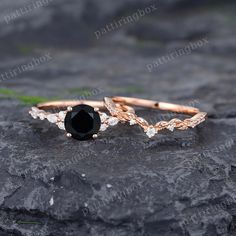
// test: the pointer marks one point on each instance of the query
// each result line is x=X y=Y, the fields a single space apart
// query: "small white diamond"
x=52 y=118
x=171 y=127
x=103 y=127
x=132 y=122
x=33 y=114
x=113 y=121
x=62 y=115
x=151 y=131
x=41 y=116
x=61 y=125
x=103 y=117
x=35 y=109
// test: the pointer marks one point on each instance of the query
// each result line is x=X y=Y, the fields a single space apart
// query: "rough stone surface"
x=180 y=183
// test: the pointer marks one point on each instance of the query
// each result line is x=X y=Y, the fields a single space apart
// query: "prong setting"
x=69 y=135
x=69 y=108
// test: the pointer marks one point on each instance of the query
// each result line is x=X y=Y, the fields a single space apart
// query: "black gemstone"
x=82 y=122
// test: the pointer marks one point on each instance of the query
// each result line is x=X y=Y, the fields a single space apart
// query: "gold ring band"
x=83 y=119
x=151 y=130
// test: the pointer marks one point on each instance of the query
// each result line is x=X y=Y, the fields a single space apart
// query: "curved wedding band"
x=151 y=130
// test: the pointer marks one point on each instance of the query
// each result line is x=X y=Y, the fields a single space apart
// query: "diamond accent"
x=61 y=125
x=113 y=121
x=33 y=114
x=151 y=131
x=171 y=127
x=132 y=122
x=103 y=117
x=103 y=127
x=35 y=109
x=52 y=118
x=41 y=116
x=62 y=115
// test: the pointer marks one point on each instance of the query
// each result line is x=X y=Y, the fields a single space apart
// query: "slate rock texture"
x=180 y=183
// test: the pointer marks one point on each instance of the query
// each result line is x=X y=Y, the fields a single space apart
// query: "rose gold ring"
x=82 y=120
x=151 y=130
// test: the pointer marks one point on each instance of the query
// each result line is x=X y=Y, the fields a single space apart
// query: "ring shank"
x=71 y=103
x=156 y=105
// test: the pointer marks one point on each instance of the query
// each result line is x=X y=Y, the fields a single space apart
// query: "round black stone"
x=82 y=122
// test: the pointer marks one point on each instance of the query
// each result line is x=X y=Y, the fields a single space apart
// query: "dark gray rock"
x=26 y=21
x=180 y=183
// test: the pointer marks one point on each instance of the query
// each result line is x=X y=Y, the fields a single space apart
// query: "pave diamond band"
x=151 y=130
x=55 y=118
